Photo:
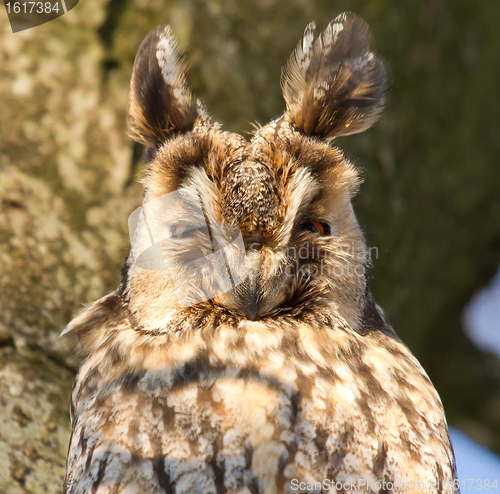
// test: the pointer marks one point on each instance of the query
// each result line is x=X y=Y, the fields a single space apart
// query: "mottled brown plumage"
x=290 y=378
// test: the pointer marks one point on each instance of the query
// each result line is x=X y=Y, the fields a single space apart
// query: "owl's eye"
x=321 y=229
x=182 y=230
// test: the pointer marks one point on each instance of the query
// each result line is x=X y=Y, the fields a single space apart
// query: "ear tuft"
x=334 y=84
x=159 y=103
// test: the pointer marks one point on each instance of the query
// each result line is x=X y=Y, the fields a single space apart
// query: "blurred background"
x=69 y=176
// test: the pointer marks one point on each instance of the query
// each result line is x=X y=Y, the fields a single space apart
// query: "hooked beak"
x=252 y=283
x=265 y=286
x=253 y=292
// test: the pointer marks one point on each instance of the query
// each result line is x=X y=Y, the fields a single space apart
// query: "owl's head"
x=261 y=228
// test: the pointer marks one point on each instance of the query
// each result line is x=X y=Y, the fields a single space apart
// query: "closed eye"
x=322 y=229
x=183 y=230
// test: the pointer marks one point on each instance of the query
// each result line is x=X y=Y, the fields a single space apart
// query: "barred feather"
x=334 y=84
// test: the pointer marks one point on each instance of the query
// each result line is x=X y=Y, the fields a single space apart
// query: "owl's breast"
x=273 y=414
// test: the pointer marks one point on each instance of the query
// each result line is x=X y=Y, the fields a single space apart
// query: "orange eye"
x=321 y=229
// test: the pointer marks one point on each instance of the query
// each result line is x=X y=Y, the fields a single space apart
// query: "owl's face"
x=261 y=228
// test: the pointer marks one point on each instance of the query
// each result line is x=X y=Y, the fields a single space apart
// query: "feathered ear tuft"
x=159 y=103
x=334 y=84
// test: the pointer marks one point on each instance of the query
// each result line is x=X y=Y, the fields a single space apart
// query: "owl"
x=243 y=351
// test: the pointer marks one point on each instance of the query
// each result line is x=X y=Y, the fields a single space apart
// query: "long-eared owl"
x=243 y=351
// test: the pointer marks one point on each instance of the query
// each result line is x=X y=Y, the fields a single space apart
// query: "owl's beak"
x=263 y=289
x=252 y=307
x=252 y=285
